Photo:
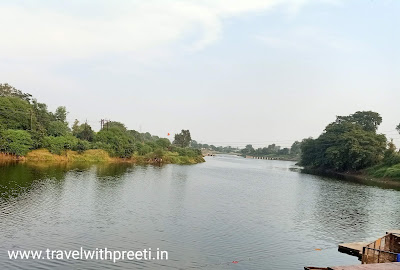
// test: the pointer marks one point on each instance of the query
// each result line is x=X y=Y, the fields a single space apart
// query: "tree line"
x=26 y=124
x=352 y=143
x=248 y=150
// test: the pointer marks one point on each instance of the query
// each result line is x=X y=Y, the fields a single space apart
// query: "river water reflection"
x=262 y=214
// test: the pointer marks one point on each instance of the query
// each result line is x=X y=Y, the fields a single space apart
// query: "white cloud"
x=309 y=38
x=123 y=26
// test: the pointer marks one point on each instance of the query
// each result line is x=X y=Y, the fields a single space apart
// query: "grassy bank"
x=94 y=155
x=98 y=155
x=385 y=171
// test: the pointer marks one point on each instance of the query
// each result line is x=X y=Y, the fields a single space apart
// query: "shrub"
x=17 y=142
x=57 y=145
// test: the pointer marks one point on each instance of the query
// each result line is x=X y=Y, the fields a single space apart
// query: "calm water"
x=263 y=214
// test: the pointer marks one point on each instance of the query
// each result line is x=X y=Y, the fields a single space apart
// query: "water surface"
x=263 y=214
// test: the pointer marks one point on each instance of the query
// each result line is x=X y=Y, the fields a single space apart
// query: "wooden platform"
x=394 y=232
x=375 y=266
x=354 y=249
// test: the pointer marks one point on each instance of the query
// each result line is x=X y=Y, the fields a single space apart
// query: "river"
x=226 y=213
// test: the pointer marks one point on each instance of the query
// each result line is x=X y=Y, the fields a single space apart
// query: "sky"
x=232 y=72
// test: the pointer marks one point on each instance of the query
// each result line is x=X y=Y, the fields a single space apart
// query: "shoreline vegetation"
x=31 y=133
x=98 y=156
x=350 y=147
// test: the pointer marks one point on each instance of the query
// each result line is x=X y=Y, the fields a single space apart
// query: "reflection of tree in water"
x=333 y=209
x=114 y=170
x=178 y=190
x=338 y=209
x=342 y=210
x=17 y=178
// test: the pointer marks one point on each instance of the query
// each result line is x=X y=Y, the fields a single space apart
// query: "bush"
x=57 y=145
x=17 y=142
x=163 y=143
x=58 y=128
x=144 y=149
x=116 y=142
x=82 y=146
x=189 y=152
x=381 y=171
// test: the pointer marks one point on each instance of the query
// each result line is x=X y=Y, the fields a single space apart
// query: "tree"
x=144 y=149
x=295 y=149
x=7 y=90
x=368 y=120
x=83 y=131
x=163 y=143
x=272 y=149
x=15 y=113
x=58 y=145
x=183 y=139
x=194 y=144
x=248 y=150
x=391 y=156
x=349 y=143
x=58 y=128
x=117 y=142
x=284 y=151
x=398 y=128
x=17 y=142
x=61 y=114
x=75 y=127
x=115 y=125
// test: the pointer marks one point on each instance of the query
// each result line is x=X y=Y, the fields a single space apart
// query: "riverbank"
x=98 y=155
x=363 y=177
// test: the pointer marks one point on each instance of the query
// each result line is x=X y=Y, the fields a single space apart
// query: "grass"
x=385 y=171
x=168 y=158
x=94 y=155
x=98 y=155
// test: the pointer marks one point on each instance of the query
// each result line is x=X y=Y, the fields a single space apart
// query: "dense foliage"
x=349 y=143
x=26 y=124
x=183 y=139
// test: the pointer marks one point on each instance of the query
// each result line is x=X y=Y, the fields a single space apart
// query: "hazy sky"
x=232 y=72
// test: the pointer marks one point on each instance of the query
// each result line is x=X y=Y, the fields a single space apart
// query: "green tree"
x=248 y=150
x=118 y=142
x=183 y=138
x=284 y=151
x=115 y=125
x=163 y=143
x=295 y=149
x=7 y=90
x=346 y=144
x=61 y=114
x=83 y=131
x=368 y=120
x=58 y=128
x=391 y=156
x=75 y=127
x=15 y=113
x=145 y=149
x=58 y=145
x=17 y=142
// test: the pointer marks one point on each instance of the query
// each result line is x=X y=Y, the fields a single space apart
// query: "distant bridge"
x=268 y=158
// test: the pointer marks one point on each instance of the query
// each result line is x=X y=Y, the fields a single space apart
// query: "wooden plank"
x=393 y=231
x=375 y=266
x=354 y=249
